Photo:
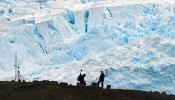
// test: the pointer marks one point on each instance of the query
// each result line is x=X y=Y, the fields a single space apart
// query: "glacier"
x=132 y=41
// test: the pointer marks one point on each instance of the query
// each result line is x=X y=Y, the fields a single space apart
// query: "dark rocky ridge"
x=47 y=90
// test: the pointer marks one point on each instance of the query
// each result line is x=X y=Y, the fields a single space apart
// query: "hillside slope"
x=58 y=92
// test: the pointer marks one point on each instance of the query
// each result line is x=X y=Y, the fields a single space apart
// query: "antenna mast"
x=17 y=71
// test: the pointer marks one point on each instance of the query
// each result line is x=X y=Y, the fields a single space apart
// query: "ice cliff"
x=132 y=41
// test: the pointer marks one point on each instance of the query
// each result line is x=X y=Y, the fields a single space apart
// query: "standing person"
x=101 y=79
x=81 y=78
x=83 y=82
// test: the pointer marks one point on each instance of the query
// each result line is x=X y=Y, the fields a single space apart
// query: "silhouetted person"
x=82 y=81
x=101 y=79
x=81 y=78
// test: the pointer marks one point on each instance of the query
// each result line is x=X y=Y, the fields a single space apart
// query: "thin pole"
x=17 y=68
x=15 y=65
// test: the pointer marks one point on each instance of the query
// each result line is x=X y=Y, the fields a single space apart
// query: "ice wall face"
x=133 y=44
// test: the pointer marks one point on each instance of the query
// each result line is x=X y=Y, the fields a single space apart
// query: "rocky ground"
x=54 y=91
